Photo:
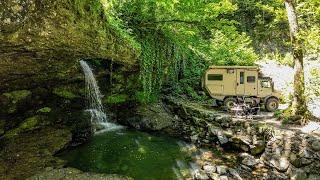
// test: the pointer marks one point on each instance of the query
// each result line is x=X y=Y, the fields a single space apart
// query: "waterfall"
x=99 y=119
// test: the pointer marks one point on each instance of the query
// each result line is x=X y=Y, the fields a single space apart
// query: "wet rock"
x=235 y=174
x=241 y=142
x=316 y=145
x=214 y=176
x=219 y=133
x=258 y=148
x=200 y=175
x=194 y=138
x=28 y=124
x=207 y=156
x=280 y=163
x=28 y=153
x=152 y=117
x=221 y=169
x=248 y=160
x=314 y=177
x=299 y=175
x=209 y=169
x=224 y=178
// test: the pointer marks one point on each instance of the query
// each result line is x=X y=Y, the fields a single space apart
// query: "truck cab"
x=227 y=83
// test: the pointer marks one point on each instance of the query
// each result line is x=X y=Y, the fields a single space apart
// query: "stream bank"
x=265 y=149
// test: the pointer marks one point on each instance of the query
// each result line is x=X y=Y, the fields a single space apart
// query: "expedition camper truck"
x=226 y=84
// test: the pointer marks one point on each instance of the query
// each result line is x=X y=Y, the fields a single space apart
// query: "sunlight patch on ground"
x=311 y=127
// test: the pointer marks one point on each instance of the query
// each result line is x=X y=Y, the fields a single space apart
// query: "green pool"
x=128 y=152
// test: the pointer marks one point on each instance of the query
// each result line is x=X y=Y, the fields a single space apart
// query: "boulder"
x=242 y=142
x=31 y=152
x=28 y=124
x=299 y=175
x=200 y=175
x=209 y=169
x=316 y=145
x=314 y=177
x=248 y=160
x=280 y=163
x=214 y=176
x=222 y=169
x=258 y=148
x=235 y=174
x=224 y=178
x=220 y=134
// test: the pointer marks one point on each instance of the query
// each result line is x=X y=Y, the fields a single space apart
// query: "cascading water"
x=99 y=119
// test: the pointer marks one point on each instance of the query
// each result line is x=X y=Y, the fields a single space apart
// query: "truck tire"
x=229 y=102
x=272 y=104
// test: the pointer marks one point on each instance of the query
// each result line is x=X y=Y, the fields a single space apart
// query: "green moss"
x=116 y=99
x=64 y=93
x=30 y=123
x=27 y=125
x=16 y=96
x=44 y=110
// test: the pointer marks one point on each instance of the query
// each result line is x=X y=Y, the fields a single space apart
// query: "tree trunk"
x=298 y=102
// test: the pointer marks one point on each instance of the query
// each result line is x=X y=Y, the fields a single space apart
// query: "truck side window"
x=251 y=79
x=265 y=84
x=215 y=77
x=241 y=77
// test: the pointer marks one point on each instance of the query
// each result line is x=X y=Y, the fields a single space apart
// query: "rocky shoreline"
x=261 y=150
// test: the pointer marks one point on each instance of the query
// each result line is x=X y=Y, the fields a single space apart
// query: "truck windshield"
x=265 y=84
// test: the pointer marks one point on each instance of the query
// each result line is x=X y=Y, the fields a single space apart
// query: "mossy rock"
x=29 y=124
x=116 y=99
x=44 y=110
x=65 y=93
x=15 y=98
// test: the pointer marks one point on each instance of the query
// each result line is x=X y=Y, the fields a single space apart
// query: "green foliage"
x=143 y=97
x=284 y=59
x=116 y=99
x=313 y=88
x=179 y=39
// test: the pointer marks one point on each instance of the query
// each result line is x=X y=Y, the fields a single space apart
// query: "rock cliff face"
x=41 y=82
x=42 y=41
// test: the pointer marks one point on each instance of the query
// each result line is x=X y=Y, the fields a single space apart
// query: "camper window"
x=251 y=79
x=215 y=77
x=241 y=77
x=265 y=84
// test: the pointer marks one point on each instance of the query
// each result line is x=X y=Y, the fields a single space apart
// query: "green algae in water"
x=127 y=152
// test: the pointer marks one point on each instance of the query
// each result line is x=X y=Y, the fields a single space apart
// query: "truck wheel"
x=229 y=102
x=272 y=104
